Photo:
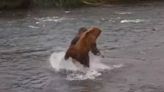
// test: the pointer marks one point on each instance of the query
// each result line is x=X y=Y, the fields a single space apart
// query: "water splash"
x=58 y=63
x=78 y=71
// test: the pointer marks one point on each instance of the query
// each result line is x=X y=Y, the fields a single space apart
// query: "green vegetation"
x=12 y=4
x=65 y=3
x=57 y=3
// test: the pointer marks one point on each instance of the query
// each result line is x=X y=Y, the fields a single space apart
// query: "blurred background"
x=22 y=4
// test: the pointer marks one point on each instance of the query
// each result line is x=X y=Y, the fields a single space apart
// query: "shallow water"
x=132 y=36
x=79 y=72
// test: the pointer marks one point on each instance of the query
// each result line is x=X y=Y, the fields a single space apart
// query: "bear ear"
x=82 y=30
x=88 y=33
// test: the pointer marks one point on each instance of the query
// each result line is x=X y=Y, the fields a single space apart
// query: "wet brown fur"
x=85 y=43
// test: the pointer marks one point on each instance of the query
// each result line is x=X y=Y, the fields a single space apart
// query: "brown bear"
x=82 y=44
x=94 y=49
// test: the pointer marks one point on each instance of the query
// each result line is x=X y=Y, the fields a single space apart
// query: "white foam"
x=117 y=66
x=90 y=74
x=53 y=19
x=123 y=13
x=79 y=72
x=132 y=21
x=31 y=26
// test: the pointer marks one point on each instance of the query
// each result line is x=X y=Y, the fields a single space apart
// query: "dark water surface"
x=132 y=35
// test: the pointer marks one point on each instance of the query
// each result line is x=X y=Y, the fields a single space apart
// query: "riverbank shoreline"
x=29 y=4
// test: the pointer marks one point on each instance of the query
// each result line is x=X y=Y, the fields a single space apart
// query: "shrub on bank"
x=56 y=3
x=12 y=4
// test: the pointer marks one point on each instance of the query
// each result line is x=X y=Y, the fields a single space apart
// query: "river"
x=132 y=36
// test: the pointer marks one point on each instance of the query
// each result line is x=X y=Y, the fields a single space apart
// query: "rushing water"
x=32 y=45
